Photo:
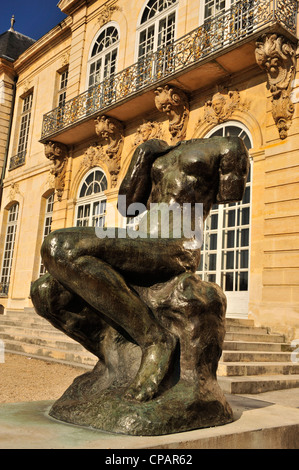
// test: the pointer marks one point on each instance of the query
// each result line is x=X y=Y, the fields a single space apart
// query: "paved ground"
x=23 y=379
x=28 y=387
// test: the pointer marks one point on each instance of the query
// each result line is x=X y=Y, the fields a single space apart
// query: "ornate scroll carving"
x=147 y=130
x=221 y=107
x=276 y=55
x=13 y=191
x=111 y=132
x=174 y=103
x=57 y=154
x=106 y=13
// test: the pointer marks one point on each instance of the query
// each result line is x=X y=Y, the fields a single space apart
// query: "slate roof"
x=13 y=44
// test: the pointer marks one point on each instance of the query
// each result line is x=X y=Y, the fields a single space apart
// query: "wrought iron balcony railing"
x=4 y=289
x=226 y=29
x=17 y=160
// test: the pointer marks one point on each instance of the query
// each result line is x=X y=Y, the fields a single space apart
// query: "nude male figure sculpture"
x=101 y=271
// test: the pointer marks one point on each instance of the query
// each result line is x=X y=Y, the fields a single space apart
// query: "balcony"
x=200 y=57
x=17 y=160
x=4 y=290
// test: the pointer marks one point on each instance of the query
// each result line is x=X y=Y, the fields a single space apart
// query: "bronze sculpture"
x=137 y=304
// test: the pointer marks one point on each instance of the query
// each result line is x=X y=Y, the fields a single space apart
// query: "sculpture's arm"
x=137 y=183
x=233 y=171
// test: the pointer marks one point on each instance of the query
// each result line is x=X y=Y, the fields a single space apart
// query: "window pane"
x=244 y=258
x=214 y=221
x=231 y=220
x=245 y=237
x=229 y=282
x=212 y=262
x=245 y=216
x=244 y=281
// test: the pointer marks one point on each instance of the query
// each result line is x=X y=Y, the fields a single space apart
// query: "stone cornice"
x=46 y=42
x=7 y=67
x=69 y=6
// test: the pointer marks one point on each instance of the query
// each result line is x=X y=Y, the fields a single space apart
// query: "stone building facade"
x=110 y=77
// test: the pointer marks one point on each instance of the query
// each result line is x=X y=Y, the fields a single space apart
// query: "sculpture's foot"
x=155 y=364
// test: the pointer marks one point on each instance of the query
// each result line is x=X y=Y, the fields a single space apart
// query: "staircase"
x=253 y=359
x=28 y=334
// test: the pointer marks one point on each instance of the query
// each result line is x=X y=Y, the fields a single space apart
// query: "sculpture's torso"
x=185 y=175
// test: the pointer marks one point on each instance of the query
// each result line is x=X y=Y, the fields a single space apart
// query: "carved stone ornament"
x=65 y=59
x=147 y=130
x=174 y=103
x=106 y=13
x=221 y=107
x=276 y=55
x=110 y=131
x=57 y=154
x=13 y=191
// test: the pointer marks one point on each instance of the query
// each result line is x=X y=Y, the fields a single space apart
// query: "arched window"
x=226 y=244
x=91 y=203
x=103 y=56
x=47 y=225
x=157 y=26
x=11 y=230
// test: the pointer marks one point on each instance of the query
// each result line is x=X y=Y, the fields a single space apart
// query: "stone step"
x=246 y=329
x=257 y=368
x=38 y=332
x=239 y=321
x=63 y=343
x=255 y=356
x=65 y=356
x=28 y=323
x=255 y=346
x=258 y=384
x=253 y=337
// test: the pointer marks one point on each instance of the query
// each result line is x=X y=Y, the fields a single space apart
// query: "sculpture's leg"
x=69 y=313
x=108 y=292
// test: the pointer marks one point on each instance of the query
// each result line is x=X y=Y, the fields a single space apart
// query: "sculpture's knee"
x=57 y=248
x=39 y=292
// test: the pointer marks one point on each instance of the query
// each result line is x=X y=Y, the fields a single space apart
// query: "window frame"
x=154 y=21
x=91 y=200
x=25 y=118
x=48 y=215
x=101 y=55
x=62 y=89
x=220 y=231
x=7 y=261
x=202 y=18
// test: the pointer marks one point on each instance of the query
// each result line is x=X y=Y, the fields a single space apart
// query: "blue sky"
x=34 y=18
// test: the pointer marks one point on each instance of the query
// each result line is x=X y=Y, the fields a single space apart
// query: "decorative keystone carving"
x=174 y=103
x=147 y=130
x=106 y=13
x=57 y=154
x=13 y=191
x=221 y=107
x=111 y=132
x=277 y=56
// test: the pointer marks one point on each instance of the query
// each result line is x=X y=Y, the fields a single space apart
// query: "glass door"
x=226 y=242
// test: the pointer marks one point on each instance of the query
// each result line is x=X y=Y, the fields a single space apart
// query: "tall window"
x=47 y=225
x=63 y=79
x=240 y=22
x=91 y=204
x=9 y=247
x=157 y=30
x=214 y=7
x=24 y=127
x=102 y=64
x=226 y=243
